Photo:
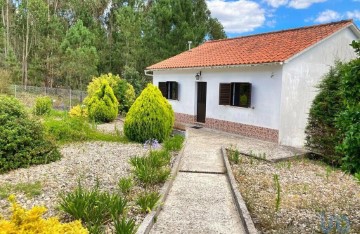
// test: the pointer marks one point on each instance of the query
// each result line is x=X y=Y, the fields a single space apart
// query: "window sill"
x=250 y=108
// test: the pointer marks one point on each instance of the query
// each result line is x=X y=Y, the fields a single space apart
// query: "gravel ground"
x=87 y=162
x=308 y=188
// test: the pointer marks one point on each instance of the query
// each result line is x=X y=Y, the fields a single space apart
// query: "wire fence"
x=63 y=99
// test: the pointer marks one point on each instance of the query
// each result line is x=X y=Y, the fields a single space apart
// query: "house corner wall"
x=301 y=75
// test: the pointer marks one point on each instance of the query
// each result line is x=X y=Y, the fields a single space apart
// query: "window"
x=235 y=94
x=169 y=89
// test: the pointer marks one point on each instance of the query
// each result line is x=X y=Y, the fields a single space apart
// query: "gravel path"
x=89 y=162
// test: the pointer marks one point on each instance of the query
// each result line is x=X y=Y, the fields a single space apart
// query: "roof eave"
x=215 y=67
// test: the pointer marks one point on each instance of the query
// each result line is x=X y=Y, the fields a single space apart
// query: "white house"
x=261 y=85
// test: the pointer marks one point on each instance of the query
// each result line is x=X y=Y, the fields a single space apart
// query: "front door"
x=201 y=102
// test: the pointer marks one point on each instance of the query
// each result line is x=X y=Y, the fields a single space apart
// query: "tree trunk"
x=26 y=46
x=4 y=23
x=7 y=28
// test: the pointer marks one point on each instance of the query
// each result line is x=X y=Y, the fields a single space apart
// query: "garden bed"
x=88 y=163
x=311 y=194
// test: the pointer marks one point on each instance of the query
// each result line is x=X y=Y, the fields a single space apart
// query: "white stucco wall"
x=301 y=75
x=266 y=93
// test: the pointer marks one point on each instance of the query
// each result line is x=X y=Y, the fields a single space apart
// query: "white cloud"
x=276 y=3
x=327 y=16
x=303 y=4
x=353 y=15
x=238 y=16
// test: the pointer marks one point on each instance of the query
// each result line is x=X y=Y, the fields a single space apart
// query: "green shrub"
x=150 y=117
x=79 y=111
x=348 y=121
x=123 y=91
x=125 y=226
x=125 y=185
x=43 y=105
x=125 y=94
x=321 y=133
x=103 y=105
x=92 y=207
x=174 y=143
x=22 y=139
x=147 y=201
x=153 y=168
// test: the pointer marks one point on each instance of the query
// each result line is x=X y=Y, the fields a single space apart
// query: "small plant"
x=125 y=226
x=234 y=155
x=79 y=111
x=29 y=189
x=147 y=201
x=278 y=191
x=146 y=172
x=125 y=185
x=174 y=143
x=93 y=207
x=334 y=224
x=43 y=105
x=357 y=177
x=31 y=221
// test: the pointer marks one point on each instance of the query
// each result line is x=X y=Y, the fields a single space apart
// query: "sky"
x=246 y=17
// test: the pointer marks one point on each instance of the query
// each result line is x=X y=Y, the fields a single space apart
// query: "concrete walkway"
x=200 y=200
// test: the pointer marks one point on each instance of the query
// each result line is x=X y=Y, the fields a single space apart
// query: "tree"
x=348 y=122
x=321 y=133
x=80 y=56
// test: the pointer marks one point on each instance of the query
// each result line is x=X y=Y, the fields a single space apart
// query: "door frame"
x=201 y=118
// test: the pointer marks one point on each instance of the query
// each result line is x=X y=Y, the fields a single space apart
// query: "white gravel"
x=87 y=162
x=308 y=188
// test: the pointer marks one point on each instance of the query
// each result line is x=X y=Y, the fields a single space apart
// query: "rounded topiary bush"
x=150 y=117
x=43 y=105
x=103 y=105
x=22 y=140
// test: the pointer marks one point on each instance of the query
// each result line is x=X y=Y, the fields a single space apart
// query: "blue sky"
x=244 y=17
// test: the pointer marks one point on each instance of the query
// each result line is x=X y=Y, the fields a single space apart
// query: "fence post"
x=70 y=100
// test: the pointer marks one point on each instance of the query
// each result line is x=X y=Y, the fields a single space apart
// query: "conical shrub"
x=150 y=117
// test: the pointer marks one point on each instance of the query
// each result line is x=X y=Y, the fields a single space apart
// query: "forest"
x=65 y=43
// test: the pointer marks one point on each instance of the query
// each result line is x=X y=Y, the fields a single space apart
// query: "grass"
x=29 y=189
x=93 y=207
x=66 y=129
x=152 y=169
x=174 y=143
x=125 y=185
x=125 y=226
x=147 y=201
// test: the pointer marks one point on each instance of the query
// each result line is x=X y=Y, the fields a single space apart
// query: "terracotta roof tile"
x=254 y=49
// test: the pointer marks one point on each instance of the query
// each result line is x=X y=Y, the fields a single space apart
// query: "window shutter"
x=224 y=94
x=176 y=90
x=163 y=88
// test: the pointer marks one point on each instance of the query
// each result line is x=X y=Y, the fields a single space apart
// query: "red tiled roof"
x=254 y=49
